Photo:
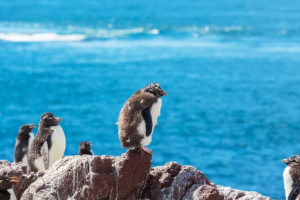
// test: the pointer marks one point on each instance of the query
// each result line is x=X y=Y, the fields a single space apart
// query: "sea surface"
x=231 y=70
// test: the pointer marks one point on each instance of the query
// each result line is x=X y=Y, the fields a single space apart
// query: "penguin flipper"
x=148 y=120
x=45 y=154
x=294 y=192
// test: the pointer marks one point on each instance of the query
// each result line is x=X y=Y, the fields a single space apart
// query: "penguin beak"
x=15 y=179
x=58 y=119
x=164 y=93
x=32 y=126
x=285 y=161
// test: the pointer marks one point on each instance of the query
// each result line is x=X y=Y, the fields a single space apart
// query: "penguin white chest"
x=288 y=181
x=155 y=112
x=31 y=137
x=58 y=147
x=12 y=194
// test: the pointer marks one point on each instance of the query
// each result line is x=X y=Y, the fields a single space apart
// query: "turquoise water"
x=231 y=70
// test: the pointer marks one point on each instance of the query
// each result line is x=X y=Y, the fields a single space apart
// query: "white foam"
x=40 y=37
x=212 y=29
x=153 y=31
x=107 y=33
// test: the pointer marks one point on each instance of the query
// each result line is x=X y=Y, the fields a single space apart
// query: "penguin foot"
x=147 y=150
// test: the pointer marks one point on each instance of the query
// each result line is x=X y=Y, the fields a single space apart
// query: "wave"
x=40 y=37
x=85 y=34
x=214 y=29
x=30 y=33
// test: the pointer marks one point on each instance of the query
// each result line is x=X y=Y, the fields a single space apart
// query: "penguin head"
x=85 y=146
x=293 y=161
x=48 y=120
x=154 y=88
x=26 y=129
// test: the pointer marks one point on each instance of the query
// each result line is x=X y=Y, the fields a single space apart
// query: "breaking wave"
x=72 y=33
x=76 y=35
x=40 y=37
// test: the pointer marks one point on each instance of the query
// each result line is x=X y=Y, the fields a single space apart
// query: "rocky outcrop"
x=231 y=194
x=94 y=177
x=126 y=177
x=20 y=170
x=173 y=181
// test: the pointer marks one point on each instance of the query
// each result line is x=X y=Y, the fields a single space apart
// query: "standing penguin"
x=85 y=148
x=48 y=145
x=23 y=142
x=139 y=116
x=291 y=177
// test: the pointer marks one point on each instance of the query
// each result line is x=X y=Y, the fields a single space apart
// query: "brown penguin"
x=139 y=116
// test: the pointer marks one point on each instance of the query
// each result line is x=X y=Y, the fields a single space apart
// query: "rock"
x=232 y=194
x=16 y=169
x=125 y=177
x=207 y=192
x=93 y=177
x=173 y=181
x=131 y=171
x=70 y=177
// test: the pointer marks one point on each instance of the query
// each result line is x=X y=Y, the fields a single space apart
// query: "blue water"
x=231 y=70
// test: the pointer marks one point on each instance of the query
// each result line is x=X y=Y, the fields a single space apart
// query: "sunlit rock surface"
x=128 y=176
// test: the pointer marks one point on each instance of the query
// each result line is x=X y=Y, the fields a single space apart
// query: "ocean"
x=231 y=70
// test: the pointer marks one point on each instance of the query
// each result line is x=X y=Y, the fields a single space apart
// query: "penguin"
x=85 y=148
x=138 y=117
x=23 y=142
x=48 y=145
x=291 y=177
x=6 y=191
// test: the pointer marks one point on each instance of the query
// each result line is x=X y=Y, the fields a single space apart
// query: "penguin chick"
x=291 y=177
x=85 y=148
x=23 y=142
x=49 y=144
x=139 y=116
